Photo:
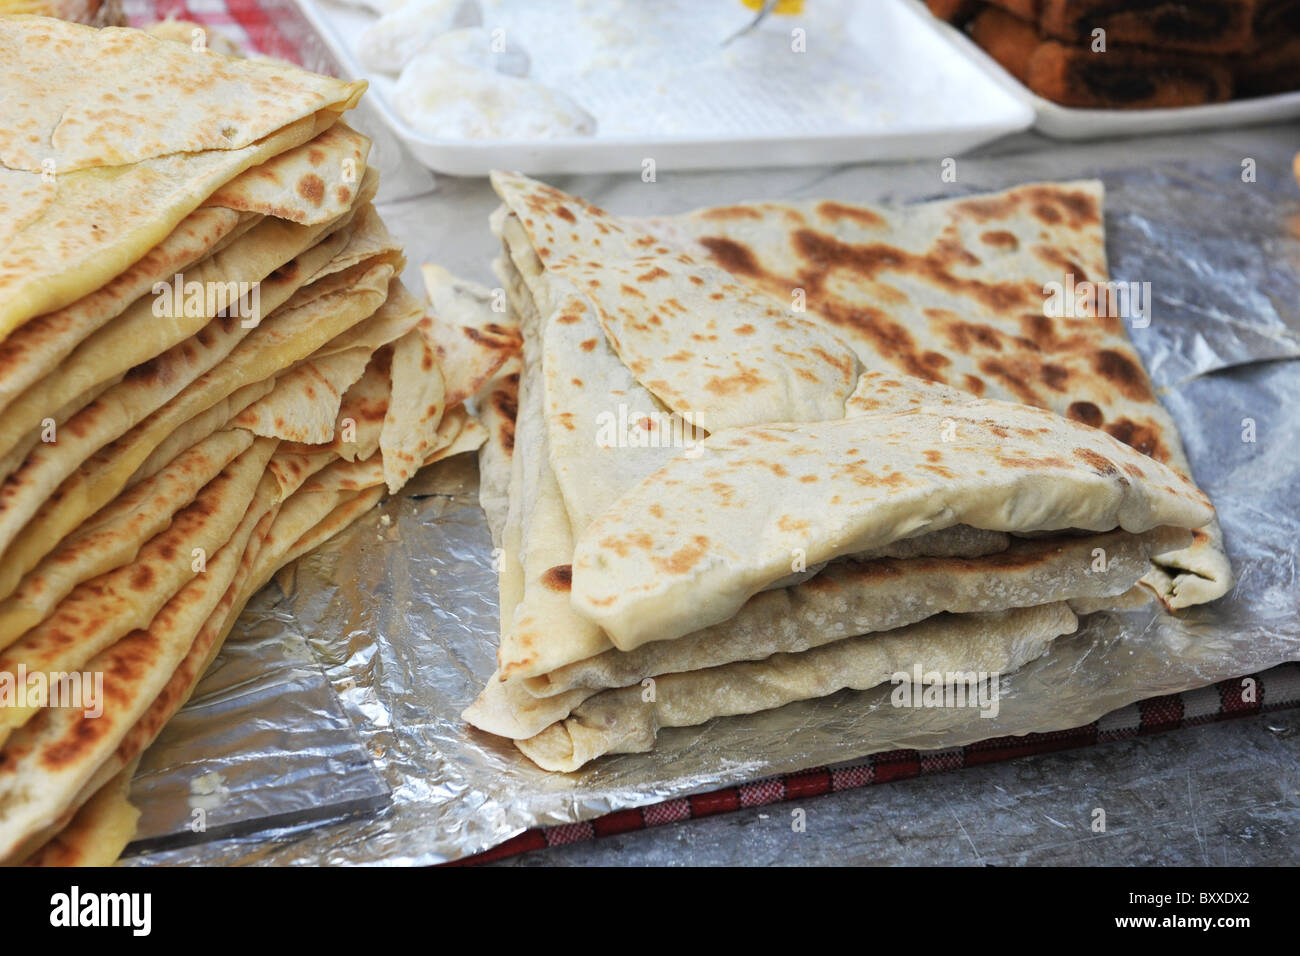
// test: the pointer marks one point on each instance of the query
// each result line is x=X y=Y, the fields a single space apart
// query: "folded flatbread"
x=113 y=537
x=237 y=358
x=100 y=611
x=848 y=598
x=588 y=548
x=627 y=720
x=55 y=754
x=37 y=347
x=154 y=383
x=704 y=345
x=692 y=542
x=146 y=330
x=131 y=133
x=498 y=405
x=325 y=504
x=972 y=293
x=99 y=831
x=151 y=444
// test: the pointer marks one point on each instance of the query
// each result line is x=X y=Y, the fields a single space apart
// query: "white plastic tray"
x=1063 y=122
x=911 y=97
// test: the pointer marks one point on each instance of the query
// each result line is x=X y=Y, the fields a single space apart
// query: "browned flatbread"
x=100 y=830
x=953 y=292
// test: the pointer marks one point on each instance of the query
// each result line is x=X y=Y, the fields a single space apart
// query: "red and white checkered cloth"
x=273 y=27
x=1276 y=689
x=277 y=28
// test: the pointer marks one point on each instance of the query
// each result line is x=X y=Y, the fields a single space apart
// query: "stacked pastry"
x=1089 y=53
x=207 y=366
x=763 y=453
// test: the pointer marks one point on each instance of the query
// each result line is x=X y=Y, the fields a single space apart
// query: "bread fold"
x=987 y=471
x=164 y=449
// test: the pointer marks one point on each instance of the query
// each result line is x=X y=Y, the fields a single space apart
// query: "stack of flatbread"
x=207 y=367
x=767 y=452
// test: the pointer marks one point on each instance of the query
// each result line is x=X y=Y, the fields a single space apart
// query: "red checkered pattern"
x=760 y=793
x=570 y=833
x=668 y=812
x=1277 y=689
x=276 y=28
x=850 y=778
x=937 y=761
x=272 y=27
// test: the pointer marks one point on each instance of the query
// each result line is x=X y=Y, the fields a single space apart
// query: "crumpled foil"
x=329 y=732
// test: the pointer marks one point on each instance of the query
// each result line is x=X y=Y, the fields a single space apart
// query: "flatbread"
x=198 y=428
x=288 y=335
x=326 y=503
x=298 y=527
x=675 y=554
x=100 y=611
x=584 y=380
x=48 y=761
x=147 y=390
x=859 y=597
x=396 y=316
x=399 y=314
x=572 y=499
x=585 y=383
x=714 y=350
x=540 y=630
x=291 y=469
x=202 y=650
x=112 y=538
x=141 y=332
x=99 y=831
x=37 y=348
x=416 y=406
x=305 y=401
x=469 y=437
x=849 y=598
x=470 y=339
x=498 y=406
x=90 y=114
x=287 y=279
x=510 y=573
x=183 y=438
x=623 y=721
x=468 y=347
x=586 y=389
x=311 y=184
x=12 y=460
x=368 y=240
x=361 y=413
x=126 y=122
x=955 y=291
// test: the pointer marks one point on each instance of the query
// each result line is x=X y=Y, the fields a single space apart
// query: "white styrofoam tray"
x=1063 y=122
x=875 y=84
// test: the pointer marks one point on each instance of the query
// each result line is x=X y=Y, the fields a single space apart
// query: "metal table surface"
x=1219 y=794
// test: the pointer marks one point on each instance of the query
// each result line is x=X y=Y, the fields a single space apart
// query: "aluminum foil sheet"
x=329 y=729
